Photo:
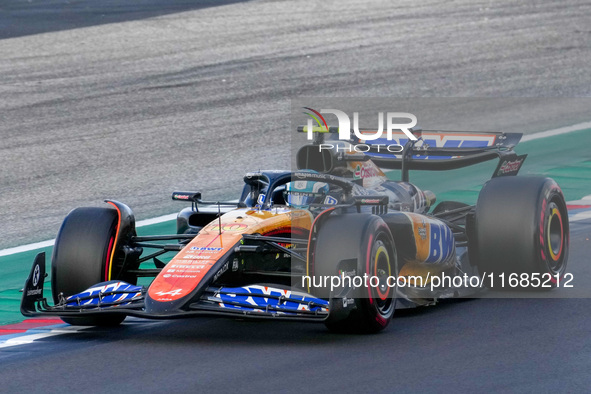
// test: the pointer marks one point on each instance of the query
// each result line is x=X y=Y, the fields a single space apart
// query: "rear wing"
x=433 y=150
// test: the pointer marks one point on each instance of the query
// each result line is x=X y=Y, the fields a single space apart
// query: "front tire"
x=362 y=242
x=83 y=255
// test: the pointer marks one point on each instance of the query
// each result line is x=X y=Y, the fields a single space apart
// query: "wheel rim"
x=555 y=237
x=382 y=270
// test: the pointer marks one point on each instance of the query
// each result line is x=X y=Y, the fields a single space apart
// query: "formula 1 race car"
x=336 y=241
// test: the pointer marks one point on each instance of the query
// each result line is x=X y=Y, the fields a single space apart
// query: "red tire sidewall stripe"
x=561 y=237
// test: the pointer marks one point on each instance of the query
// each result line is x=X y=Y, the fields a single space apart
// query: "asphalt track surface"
x=477 y=345
x=135 y=104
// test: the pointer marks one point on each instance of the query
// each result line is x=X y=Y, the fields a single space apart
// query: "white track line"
x=33 y=336
x=581 y=215
x=159 y=219
x=25 y=339
x=583 y=201
x=26 y=248
x=552 y=133
x=165 y=218
x=44 y=244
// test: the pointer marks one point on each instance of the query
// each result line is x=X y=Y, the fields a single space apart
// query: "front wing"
x=117 y=297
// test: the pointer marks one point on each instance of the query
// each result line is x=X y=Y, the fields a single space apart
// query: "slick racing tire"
x=357 y=244
x=82 y=258
x=521 y=228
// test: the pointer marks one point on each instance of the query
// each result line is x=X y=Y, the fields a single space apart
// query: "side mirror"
x=187 y=196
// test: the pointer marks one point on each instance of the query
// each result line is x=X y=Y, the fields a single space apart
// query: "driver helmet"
x=300 y=194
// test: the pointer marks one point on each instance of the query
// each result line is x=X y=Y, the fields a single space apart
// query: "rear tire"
x=82 y=258
x=521 y=227
x=362 y=242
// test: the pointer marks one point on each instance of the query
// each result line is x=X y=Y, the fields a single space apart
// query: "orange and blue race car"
x=336 y=241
